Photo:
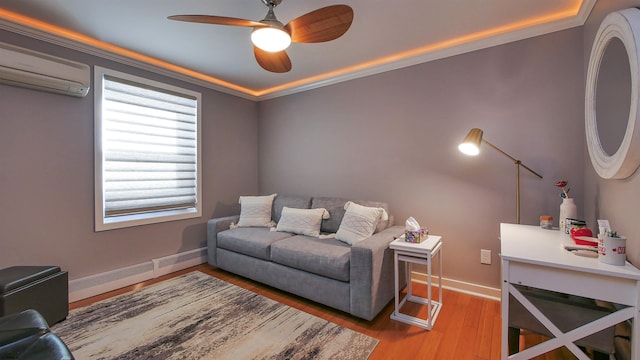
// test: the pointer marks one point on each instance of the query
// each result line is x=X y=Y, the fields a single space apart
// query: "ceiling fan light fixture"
x=270 y=39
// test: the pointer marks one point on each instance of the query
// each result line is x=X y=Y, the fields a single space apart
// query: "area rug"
x=197 y=316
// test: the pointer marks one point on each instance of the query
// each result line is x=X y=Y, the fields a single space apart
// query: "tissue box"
x=416 y=236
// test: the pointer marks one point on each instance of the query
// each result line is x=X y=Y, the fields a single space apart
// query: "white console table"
x=535 y=257
x=417 y=253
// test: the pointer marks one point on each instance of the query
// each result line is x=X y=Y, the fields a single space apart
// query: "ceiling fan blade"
x=217 y=20
x=277 y=62
x=325 y=24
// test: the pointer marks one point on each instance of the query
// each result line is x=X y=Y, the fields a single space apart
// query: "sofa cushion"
x=325 y=257
x=292 y=201
x=359 y=222
x=335 y=206
x=255 y=210
x=302 y=221
x=251 y=241
x=382 y=223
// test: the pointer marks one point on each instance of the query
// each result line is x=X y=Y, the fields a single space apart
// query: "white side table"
x=420 y=253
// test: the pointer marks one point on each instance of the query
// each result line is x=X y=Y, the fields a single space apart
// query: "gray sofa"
x=355 y=279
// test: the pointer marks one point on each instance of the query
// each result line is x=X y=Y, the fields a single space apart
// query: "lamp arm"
x=526 y=167
x=516 y=161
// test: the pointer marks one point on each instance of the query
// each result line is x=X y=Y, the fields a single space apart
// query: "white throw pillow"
x=302 y=221
x=359 y=222
x=256 y=210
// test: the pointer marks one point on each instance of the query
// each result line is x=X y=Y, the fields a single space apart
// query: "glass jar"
x=546 y=222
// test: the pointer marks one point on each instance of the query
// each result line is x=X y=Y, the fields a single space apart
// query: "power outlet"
x=485 y=256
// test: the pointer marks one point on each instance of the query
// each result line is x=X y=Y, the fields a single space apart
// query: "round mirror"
x=611 y=99
x=613 y=96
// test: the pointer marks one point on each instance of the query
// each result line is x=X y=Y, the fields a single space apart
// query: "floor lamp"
x=471 y=146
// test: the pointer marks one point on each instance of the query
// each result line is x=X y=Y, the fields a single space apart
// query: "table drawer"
x=590 y=285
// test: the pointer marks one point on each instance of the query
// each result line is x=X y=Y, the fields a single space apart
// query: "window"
x=147 y=151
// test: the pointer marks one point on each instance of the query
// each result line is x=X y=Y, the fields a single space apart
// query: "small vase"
x=568 y=209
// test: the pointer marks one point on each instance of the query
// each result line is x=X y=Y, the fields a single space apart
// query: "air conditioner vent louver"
x=27 y=68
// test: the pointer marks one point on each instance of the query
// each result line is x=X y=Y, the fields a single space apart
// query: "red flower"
x=565 y=192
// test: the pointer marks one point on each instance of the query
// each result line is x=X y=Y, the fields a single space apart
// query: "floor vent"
x=169 y=264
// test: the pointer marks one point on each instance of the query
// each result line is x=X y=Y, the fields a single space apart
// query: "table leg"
x=440 y=276
x=396 y=275
x=505 y=309
x=429 y=304
x=407 y=273
x=635 y=330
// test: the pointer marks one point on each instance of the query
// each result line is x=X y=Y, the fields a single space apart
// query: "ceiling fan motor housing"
x=271 y=3
x=272 y=21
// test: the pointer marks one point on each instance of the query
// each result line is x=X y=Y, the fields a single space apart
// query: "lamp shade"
x=271 y=39
x=471 y=143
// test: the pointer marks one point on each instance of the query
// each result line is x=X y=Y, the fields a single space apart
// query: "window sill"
x=125 y=221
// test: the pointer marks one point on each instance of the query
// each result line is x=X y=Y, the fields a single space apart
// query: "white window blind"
x=149 y=146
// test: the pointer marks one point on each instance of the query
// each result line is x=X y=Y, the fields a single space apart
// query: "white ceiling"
x=384 y=35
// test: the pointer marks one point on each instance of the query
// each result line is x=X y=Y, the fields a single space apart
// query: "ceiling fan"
x=270 y=37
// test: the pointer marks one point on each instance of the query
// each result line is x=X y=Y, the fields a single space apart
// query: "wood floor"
x=468 y=327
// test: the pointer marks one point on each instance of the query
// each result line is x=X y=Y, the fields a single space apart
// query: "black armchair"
x=26 y=336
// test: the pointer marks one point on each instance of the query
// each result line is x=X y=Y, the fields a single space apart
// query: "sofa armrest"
x=371 y=276
x=214 y=226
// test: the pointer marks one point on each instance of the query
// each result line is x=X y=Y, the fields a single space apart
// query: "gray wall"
x=393 y=137
x=46 y=182
x=615 y=200
x=390 y=137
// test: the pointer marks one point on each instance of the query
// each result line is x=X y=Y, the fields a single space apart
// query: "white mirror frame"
x=624 y=25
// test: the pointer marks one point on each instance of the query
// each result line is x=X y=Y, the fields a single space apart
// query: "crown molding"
x=381 y=66
x=500 y=39
x=109 y=55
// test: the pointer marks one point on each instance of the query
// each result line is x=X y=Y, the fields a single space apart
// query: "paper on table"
x=411 y=224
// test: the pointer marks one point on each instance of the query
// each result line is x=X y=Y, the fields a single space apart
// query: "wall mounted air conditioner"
x=27 y=68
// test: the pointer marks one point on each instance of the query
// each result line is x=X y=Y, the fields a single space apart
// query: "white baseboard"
x=461 y=286
x=111 y=280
